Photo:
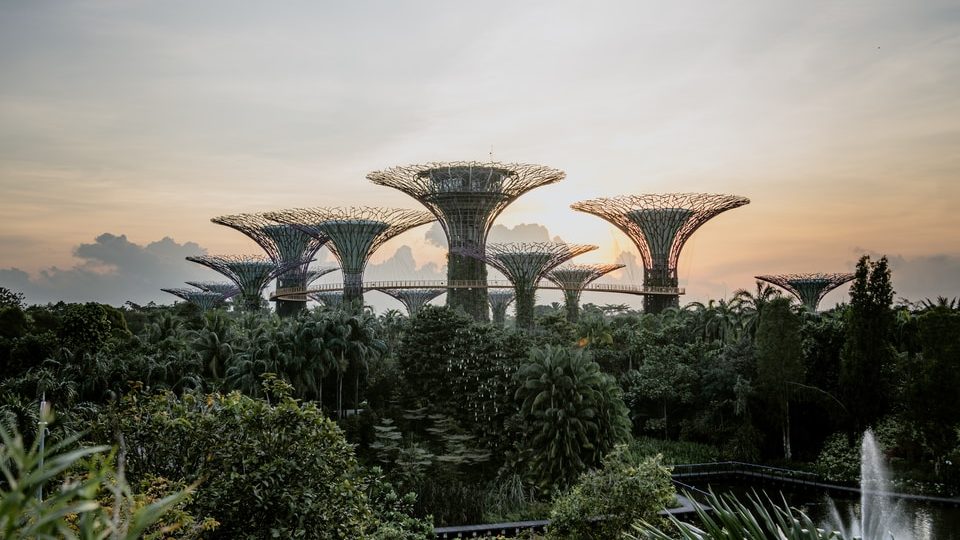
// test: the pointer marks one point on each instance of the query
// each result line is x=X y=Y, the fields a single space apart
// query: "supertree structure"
x=226 y=289
x=331 y=299
x=466 y=197
x=573 y=278
x=413 y=299
x=355 y=233
x=499 y=300
x=525 y=264
x=284 y=244
x=659 y=225
x=203 y=299
x=808 y=288
x=314 y=274
x=250 y=273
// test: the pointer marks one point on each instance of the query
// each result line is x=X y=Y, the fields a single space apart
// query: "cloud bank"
x=113 y=270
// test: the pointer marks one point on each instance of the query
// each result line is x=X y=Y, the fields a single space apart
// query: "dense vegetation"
x=340 y=423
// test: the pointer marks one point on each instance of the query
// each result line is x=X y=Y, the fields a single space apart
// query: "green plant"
x=70 y=508
x=605 y=502
x=281 y=469
x=839 y=460
x=730 y=518
x=571 y=414
x=673 y=452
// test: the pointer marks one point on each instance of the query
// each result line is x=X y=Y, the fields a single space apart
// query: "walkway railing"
x=801 y=479
x=299 y=293
x=687 y=472
x=687 y=507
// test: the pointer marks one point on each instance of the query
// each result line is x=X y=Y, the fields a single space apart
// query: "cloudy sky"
x=126 y=125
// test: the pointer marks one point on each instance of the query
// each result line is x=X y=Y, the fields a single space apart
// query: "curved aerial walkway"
x=639 y=290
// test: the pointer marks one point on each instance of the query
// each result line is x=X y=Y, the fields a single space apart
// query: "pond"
x=925 y=521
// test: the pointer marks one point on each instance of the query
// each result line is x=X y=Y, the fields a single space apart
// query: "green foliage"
x=393 y=513
x=453 y=366
x=729 y=518
x=665 y=379
x=672 y=452
x=70 y=508
x=839 y=460
x=282 y=470
x=605 y=502
x=868 y=357
x=779 y=363
x=934 y=377
x=570 y=414
x=9 y=298
x=84 y=328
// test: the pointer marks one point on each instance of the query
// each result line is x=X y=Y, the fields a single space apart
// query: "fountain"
x=880 y=517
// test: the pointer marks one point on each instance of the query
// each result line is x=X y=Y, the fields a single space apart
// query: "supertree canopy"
x=413 y=299
x=525 y=264
x=573 y=278
x=203 y=299
x=659 y=225
x=331 y=299
x=355 y=233
x=809 y=288
x=499 y=300
x=226 y=289
x=466 y=197
x=314 y=274
x=284 y=244
x=250 y=273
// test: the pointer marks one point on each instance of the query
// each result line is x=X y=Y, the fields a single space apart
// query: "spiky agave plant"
x=727 y=517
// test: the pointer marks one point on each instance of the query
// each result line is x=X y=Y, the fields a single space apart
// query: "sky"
x=126 y=125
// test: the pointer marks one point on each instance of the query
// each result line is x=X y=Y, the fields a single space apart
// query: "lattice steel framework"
x=284 y=244
x=203 y=299
x=314 y=274
x=413 y=299
x=808 y=288
x=659 y=224
x=224 y=288
x=466 y=197
x=251 y=274
x=499 y=300
x=355 y=233
x=573 y=278
x=331 y=299
x=525 y=264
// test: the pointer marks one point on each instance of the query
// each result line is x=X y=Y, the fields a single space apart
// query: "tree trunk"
x=787 y=450
x=666 y=432
x=340 y=395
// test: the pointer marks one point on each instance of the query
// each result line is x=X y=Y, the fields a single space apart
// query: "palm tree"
x=752 y=304
x=364 y=346
x=593 y=331
x=214 y=343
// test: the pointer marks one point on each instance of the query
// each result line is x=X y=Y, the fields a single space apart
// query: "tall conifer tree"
x=868 y=355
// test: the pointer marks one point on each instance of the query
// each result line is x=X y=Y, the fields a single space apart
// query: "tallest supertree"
x=659 y=225
x=466 y=197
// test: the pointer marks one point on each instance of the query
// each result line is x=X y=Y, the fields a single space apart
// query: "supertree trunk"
x=352 y=288
x=472 y=301
x=571 y=302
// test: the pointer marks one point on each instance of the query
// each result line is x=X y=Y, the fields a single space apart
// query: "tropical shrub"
x=673 y=452
x=570 y=415
x=281 y=469
x=605 y=502
x=73 y=483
